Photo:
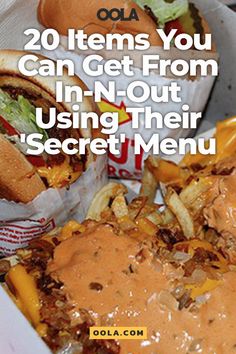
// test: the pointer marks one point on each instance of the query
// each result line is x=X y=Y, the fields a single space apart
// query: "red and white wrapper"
x=20 y=223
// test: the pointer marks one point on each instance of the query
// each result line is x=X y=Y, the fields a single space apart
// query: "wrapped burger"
x=39 y=192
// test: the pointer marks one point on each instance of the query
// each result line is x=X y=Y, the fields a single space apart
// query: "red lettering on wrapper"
x=126 y=149
x=122 y=159
x=18 y=235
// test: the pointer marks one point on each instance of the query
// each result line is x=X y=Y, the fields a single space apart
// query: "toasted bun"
x=18 y=180
x=64 y=14
x=15 y=169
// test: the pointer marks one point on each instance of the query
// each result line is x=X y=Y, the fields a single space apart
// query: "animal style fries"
x=128 y=261
x=198 y=191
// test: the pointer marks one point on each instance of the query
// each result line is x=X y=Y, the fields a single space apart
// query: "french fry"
x=136 y=207
x=103 y=198
x=146 y=226
x=195 y=190
x=119 y=207
x=155 y=218
x=182 y=214
x=149 y=182
x=126 y=224
x=167 y=216
x=166 y=171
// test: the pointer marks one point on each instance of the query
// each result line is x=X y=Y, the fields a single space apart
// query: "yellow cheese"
x=42 y=329
x=69 y=228
x=146 y=226
x=193 y=245
x=59 y=176
x=226 y=145
x=207 y=286
x=26 y=292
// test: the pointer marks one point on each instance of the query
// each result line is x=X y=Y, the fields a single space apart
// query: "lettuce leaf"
x=165 y=11
x=21 y=114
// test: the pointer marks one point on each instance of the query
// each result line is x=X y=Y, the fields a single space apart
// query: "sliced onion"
x=166 y=299
x=196 y=346
x=71 y=348
x=173 y=273
x=202 y=299
x=178 y=292
x=199 y=276
x=182 y=257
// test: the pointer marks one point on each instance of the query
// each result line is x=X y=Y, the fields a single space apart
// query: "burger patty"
x=197 y=20
x=14 y=92
x=150 y=13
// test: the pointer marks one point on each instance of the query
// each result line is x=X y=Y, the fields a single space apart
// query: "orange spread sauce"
x=107 y=275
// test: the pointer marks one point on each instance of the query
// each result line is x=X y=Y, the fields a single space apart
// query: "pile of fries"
x=187 y=189
x=184 y=187
x=191 y=253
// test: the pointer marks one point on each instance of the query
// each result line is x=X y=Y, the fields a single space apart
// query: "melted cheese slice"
x=26 y=292
x=59 y=176
x=225 y=142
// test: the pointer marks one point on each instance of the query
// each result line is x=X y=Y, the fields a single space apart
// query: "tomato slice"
x=175 y=24
x=36 y=161
x=8 y=127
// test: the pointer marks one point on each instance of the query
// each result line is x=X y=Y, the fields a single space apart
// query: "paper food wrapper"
x=20 y=223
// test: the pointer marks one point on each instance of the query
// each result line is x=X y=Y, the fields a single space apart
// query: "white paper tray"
x=16 y=335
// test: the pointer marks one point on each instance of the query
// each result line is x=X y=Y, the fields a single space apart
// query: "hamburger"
x=152 y=14
x=23 y=177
